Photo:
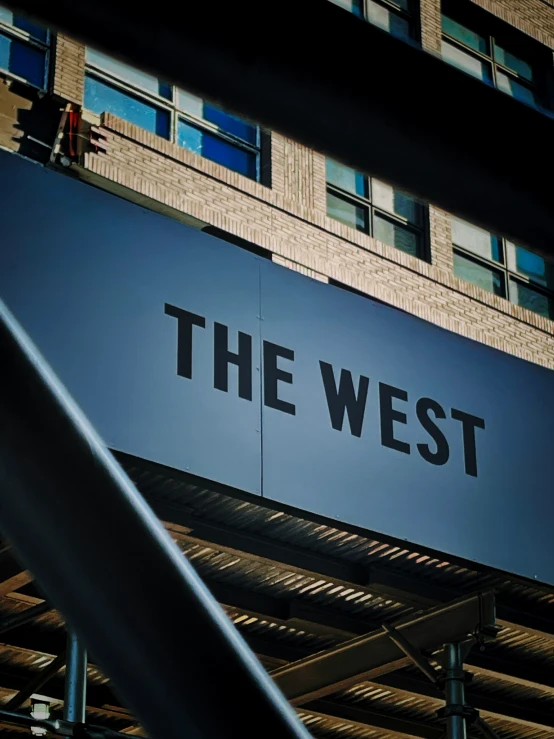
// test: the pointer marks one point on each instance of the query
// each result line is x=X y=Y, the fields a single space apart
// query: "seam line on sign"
x=261 y=379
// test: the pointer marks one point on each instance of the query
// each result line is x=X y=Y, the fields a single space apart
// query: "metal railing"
x=106 y=562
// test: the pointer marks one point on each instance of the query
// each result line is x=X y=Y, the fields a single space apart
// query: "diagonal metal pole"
x=95 y=544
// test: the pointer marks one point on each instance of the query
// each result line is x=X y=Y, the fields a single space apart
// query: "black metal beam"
x=36 y=683
x=365 y=717
x=261 y=548
x=24 y=617
x=522 y=714
x=431 y=129
x=409 y=589
x=58 y=727
x=319 y=620
x=101 y=589
x=376 y=654
x=99 y=696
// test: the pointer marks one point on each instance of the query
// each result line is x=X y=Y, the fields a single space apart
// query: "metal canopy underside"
x=295 y=587
x=345 y=88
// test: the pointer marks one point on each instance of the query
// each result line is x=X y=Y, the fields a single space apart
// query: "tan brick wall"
x=289 y=218
x=299 y=174
x=308 y=241
x=69 y=69
x=533 y=17
x=431 y=27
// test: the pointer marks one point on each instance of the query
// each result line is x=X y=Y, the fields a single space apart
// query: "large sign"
x=190 y=352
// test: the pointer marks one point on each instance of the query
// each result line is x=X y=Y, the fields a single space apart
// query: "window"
x=23 y=48
x=168 y=111
x=369 y=205
x=397 y=17
x=503 y=268
x=496 y=54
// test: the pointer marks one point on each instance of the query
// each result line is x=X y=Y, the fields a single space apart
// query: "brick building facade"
x=283 y=212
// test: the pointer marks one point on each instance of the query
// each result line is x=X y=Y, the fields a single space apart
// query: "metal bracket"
x=414 y=654
x=456 y=709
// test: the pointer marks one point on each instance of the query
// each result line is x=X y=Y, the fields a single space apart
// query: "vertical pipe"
x=454 y=690
x=75 y=680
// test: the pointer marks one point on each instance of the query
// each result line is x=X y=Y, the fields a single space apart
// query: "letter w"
x=345 y=398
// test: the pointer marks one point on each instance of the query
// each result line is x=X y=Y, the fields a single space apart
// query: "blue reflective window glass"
x=511 y=61
x=346 y=178
x=23 y=23
x=131 y=75
x=534 y=266
x=353 y=6
x=468 y=62
x=231 y=124
x=387 y=20
x=465 y=35
x=101 y=97
x=217 y=150
x=22 y=60
x=512 y=87
x=476 y=240
x=480 y=275
x=393 y=233
x=526 y=297
x=348 y=212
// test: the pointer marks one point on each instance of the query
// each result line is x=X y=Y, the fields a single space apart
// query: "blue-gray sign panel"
x=368 y=415
x=89 y=276
x=476 y=483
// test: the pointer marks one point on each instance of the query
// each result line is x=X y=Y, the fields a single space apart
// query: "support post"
x=75 y=680
x=454 y=691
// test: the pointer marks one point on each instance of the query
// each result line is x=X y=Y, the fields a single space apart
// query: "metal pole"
x=454 y=691
x=111 y=568
x=75 y=680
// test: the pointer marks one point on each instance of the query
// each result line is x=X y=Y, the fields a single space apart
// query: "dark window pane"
x=531 y=299
x=231 y=124
x=387 y=20
x=532 y=265
x=346 y=178
x=517 y=65
x=23 y=60
x=347 y=212
x=476 y=240
x=521 y=92
x=387 y=198
x=101 y=97
x=353 y=6
x=25 y=24
x=390 y=232
x=404 y=4
x=465 y=35
x=469 y=63
x=478 y=274
x=129 y=74
x=217 y=150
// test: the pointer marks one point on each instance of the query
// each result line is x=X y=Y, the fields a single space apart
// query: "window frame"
x=25 y=37
x=507 y=274
x=411 y=16
x=498 y=33
x=175 y=114
x=422 y=231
